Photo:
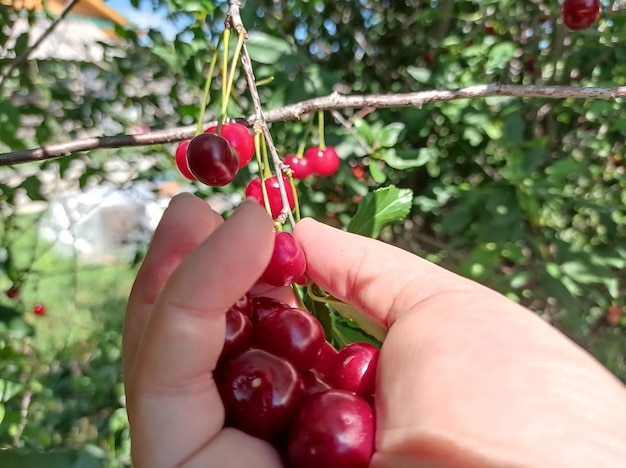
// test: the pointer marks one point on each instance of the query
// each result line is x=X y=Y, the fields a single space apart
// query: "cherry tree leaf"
x=379 y=208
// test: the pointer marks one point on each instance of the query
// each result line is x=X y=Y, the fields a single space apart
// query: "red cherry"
x=13 y=292
x=238 y=332
x=262 y=306
x=327 y=358
x=323 y=162
x=244 y=305
x=288 y=262
x=181 y=160
x=334 y=429
x=253 y=189
x=580 y=14
x=261 y=393
x=239 y=138
x=212 y=160
x=291 y=334
x=39 y=309
x=354 y=369
x=313 y=382
x=301 y=167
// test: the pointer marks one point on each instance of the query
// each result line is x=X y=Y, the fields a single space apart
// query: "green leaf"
x=379 y=208
x=376 y=171
x=365 y=130
x=408 y=159
x=364 y=322
x=390 y=134
x=32 y=185
x=9 y=389
x=266 y=49
x=321 y=312
x=49 y=459
x=2 y=412
x=419 y=74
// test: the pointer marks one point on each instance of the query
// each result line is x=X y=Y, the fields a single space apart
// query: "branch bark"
x=331 y=102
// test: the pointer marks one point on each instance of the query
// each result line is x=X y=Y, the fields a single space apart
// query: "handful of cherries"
x=281 y=381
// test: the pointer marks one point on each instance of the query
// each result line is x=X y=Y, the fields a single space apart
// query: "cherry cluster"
x=14 y=293
x=281 y=381
x=315 y=161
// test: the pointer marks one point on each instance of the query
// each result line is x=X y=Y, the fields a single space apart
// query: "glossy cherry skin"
x=288 y=262
x=580 y=14
x=292 y=334
x=313 y=382
x=244 y=305
x=39 y=309
x=238 y=332
x=327 y=358
x=239 y=138
x=261 y=393
x=181 y=160
x=212 y=160
x=333 y=429
x=262 y=306
x=301 y=167
x=324 y=162
x=354 y=369
x=254 y=190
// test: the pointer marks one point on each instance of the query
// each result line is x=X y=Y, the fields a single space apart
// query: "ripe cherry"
x=580 y=14
x=253 y=189
x=262 y=306
x=244 y=304
x=212 y=160
x=181 y=160
x=323 y=162
x=261 y=393
x=13 y=292
x=239 y=138
x=288 y=262
x=292 y=334
x=39 y=309
x=333 y=429
x=326 y=359
x=238 y=332
x=354 y=369
x=301 y=167
x=314 y=382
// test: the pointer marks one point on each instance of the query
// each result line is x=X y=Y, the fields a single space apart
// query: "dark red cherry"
x=288 y=262
x=313 y=382
x=240 y=138
x=580 y=14
x=323 y=162
x=254 y=190
x=13 y=292
x=354 y=369
x=291 y=334
x=261 y=393
x=181 y=160
x=238 y=332
x=334 y=429
x=327 y=358
x=244 y=304
x=262 y=306
x=212 y=160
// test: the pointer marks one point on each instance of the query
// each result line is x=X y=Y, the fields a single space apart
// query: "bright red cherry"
x=253 y=189
x=580 y=14
x=334 y=429
x=13 y=292
x=288 y=262
x=181 y=160
x=261 y=393
x=301 y=167
x=39 y=309
x=212 y=160
x=292 y=334
x=323 y=162
x=354 y=369
x=262 y=306
x=239 y=138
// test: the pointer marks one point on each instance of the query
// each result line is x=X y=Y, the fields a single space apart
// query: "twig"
x=234 y=20
x=24 y=55
x=333 y=101
x=23 y=418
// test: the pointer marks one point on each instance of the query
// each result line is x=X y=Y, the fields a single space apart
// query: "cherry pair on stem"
x=465 y=377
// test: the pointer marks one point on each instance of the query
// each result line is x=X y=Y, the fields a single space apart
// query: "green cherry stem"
x=207 y=85
x=231 y=78
x=224 y=69
x=296 y=203
x=267 y=172
x=257 y=153
x=300 y=152
x=320 y=130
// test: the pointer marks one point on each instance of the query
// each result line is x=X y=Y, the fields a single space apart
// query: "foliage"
x=526 y=196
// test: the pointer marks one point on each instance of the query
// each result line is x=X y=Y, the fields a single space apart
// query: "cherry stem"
x=207 y=85
x=300 y=152
x=267 y=172
x=231 y=79
x=224 y=72
x=257 y=153
x=320 y=130
x=295 y=195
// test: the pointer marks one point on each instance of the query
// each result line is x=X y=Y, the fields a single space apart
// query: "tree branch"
x=24 y=56
x=333 y=101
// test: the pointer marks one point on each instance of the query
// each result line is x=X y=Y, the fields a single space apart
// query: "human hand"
x=465 y=377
